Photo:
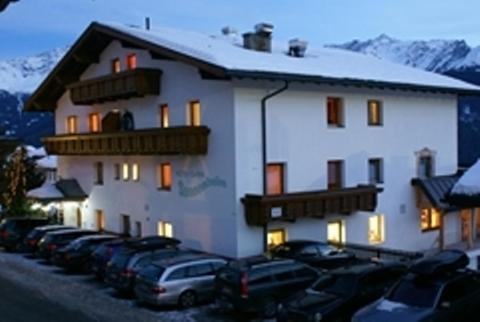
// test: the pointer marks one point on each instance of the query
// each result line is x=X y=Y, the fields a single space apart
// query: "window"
x=98 y=167
x=200 y=270
x=177 y=274
x=425 y=166
x=334 y=112
x=376 y=229
x=429 y=219
x=138 y=229
x=276 y=237
x=79 y=217
x=335 y=174
x=116 y=66
x=164 y=176
x=131 y=61
x=375 y=171
x=125 y=225
x=164 y=229
x=275 y=179
x=194 y=113
x=336 y=231
x=94 y=122
x=116 y=169
x=125 y=172
x=135 y=172
x=375 y=113
x=72 y=124
x=100 y=220
x=164 y=116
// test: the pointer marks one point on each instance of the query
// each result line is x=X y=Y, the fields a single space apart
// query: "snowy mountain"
x=433 y=55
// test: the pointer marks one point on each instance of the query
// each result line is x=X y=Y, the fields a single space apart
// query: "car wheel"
x=187 y=299
x=269 y=308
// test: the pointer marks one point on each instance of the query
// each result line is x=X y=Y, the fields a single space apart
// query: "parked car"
x=258 y=283
x=57 y=239
x=346 y=290
x=31 y=240
x=123 y=267
x=438 y=289
x=317 y=254
x=184 y=280
x=14 y=230
x=76 y=255
x=103 y=254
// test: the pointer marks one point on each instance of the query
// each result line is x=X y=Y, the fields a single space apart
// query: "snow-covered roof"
x=469 y=182
x=47 y=162
x=48 y=191
x=228 y=53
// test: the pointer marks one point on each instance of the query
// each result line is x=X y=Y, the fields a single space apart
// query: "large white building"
x=231 y=146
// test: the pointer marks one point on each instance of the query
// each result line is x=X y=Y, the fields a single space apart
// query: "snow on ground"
x=96 y=299
x=469 y=182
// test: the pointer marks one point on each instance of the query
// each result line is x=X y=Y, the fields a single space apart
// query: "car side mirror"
x=445 y=305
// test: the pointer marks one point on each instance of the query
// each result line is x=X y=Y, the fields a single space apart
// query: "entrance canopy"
x=436 y=190
x=61 y=190
x=466 y=191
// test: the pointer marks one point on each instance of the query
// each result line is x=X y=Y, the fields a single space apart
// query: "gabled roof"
x=223 y=57
x=437 y=190
x=62 y=190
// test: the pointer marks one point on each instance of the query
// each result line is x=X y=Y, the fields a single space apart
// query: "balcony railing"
x=123 y=85
x=186 y=140
x=260 y=210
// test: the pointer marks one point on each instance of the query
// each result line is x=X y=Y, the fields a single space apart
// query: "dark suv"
x=339 y=294
x=438 y=289
x=14 y=230
x=30 y=242
x=314 y=253
x=258 y=284
x=57 y=239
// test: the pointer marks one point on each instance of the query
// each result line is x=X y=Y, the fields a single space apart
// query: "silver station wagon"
x=184 y=280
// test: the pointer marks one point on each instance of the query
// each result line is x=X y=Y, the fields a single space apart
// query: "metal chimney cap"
x=297 y=42
x=264 y=27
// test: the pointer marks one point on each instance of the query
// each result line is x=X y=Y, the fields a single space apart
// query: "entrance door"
x=79 y=218
x=335 y=231
x=466 y=224
x=126 y=225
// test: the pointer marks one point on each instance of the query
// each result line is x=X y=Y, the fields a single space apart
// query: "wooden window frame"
x=377 y=163
x=379 y=113
x=129 y=64
x=339 y=174
x=116 y=65
x=163 y=182
x=191 y=113
x=429 y=215
x=164 y=115
x=335 y=112
x=282 y=167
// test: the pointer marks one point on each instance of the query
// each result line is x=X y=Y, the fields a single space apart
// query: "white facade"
x=204 y=205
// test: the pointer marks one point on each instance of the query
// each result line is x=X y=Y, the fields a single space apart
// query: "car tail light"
x=244 y=285
x=128 y=273
x=32 y=242
x=110 y=251
x=51 y=247
x=158 y=289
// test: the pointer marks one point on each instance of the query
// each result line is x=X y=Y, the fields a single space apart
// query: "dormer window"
x=425 y=163
x=116 y=66
x=131 y=61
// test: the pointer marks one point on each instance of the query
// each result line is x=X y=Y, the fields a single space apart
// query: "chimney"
x=261 y=39
x=147 y=23
x=229 y=31
x=297 y=47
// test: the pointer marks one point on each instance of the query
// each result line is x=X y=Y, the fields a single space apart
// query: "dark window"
x=425 y=166
x=98 y=173
x=260 y=276
x=458 y=289
x=117 y=171
x=375 y=171
x=414 y=292
x=335 y=174
x=335 y=112
x=177 y=274
x=164 y=116
x=375 y=113
x=200 y=270
x=283 y=273
x=310 y=250
x=305 y=272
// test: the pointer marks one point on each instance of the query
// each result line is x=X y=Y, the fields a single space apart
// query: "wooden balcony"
x=137 y=82
x=184 y=140
x=260 y=210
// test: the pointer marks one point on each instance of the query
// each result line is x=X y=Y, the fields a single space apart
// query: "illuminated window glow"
x=164 y=176
x=72 y=124
x=194 y=113
x=131 y=61
x=116 y=66
x=429 y=219
x=165 y=229
x=164 y=116
x=275 y=179
x=376 y=229
x=94 y=122
x=135 y=172
x=336 y=231
x=276 y=237
x=125 y=172
x=375 y=113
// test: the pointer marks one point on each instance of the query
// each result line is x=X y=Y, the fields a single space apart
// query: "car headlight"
x=279 y=307
x=317 y=317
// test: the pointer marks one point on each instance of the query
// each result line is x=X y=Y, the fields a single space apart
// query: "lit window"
x=375 y=113
x=125 y=172
x=117 y=171
x=275 y=179
x=98 y=167
x=135 y=172
x=116 y=66
x=100 y=220
x=94 y=122
x=429 y=219
x=164 y=116
x=164 y=176
x=376 y=229
x=276 y=237
x=335 y=174
x=194 y=113
x=335 y=112
x=131 y=61
x=165 y=229
x=72 y=124
x=375 y=171
x=336 y=231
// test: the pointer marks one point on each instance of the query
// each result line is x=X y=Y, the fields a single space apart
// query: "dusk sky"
x=31 y=26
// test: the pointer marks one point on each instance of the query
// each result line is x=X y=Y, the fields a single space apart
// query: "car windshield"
x=342 y=284
x=414 y=292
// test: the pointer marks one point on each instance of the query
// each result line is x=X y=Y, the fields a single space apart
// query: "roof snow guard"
x=221 y=58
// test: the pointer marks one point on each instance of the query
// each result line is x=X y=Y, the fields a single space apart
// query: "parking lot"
x=81 y=296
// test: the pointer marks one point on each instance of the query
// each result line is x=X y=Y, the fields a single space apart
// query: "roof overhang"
x=436 y=190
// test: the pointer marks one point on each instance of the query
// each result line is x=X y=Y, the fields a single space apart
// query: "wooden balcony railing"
x=186 y=140
x=260 y=210
x=123 y=85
